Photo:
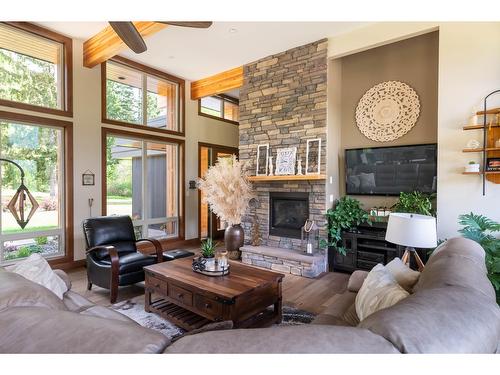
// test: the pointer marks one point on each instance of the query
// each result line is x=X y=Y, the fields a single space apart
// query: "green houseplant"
x=415 y=203
x=345 y=215
x=208 y=248
x=484 y=231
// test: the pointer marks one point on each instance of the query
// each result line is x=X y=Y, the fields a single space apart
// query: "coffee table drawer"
x=180 y=294
x=156 y=285
x=211 y=308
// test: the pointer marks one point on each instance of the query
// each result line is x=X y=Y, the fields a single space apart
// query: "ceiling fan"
x=133 y=39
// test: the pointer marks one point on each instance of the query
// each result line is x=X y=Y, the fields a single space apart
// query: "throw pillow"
x=405 y=276
x=379 y=291
x=35 y=268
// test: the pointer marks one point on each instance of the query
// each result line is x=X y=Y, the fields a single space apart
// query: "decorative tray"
x=210 y=267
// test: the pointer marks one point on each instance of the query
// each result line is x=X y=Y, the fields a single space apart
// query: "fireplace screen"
x=287 y=214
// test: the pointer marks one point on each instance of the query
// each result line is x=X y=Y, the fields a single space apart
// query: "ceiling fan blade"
x=195 y=24
x=130 y=36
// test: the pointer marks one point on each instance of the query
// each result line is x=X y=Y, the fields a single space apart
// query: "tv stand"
x=365 y=247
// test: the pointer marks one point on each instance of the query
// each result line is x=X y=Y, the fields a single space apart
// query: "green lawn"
x=11 y=230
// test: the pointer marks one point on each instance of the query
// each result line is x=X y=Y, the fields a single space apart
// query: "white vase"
x=472 y=168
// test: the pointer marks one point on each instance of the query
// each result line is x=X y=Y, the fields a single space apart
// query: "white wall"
x=469 y=61
x=87 y=145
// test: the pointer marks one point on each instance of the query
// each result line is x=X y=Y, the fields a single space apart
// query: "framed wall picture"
x=285 y=161
x=262 y=160
x=88 y=178
x=313 y=156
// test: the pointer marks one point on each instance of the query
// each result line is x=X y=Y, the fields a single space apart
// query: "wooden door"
x=209 y=224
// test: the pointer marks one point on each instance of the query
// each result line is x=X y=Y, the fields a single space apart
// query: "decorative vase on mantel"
x=234 y=237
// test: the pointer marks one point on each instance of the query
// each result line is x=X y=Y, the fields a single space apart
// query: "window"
x=140 y=96
x=142 y=181
x=221 y=107
x=41 y=151
x=35 y=69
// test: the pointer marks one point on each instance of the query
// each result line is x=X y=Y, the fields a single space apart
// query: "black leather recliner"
x=112 y=256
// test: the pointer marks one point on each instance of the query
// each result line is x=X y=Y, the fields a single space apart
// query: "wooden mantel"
x=310 y=177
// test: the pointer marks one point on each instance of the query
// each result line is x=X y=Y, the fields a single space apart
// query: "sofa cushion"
x=379 y=291
x=451 y=319
x=334 y=313
x=291 y=339
x=356 y=280
x=15 y=290
x=35 y=268
x=39 y=330
x=404 y=275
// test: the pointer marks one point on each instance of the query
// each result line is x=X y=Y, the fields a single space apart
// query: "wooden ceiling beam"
x=217 y=84
x=106 y=44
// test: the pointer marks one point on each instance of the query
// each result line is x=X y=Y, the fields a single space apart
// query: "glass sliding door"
x=142 y=181
x=39 y=150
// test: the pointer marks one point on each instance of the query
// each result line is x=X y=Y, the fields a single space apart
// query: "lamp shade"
x=412 y=230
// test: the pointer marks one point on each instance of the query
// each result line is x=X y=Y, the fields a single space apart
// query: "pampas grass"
x=226 y=189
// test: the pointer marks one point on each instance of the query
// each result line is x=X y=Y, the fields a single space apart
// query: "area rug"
x=134 y=309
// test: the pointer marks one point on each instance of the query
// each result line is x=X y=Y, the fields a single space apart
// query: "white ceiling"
x=197 y=53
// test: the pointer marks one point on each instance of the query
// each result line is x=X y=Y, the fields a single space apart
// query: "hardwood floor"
x=312 y=295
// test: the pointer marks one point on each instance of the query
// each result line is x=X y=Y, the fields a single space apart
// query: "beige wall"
x=413 y=61
x=87 y=145
x=467 y=71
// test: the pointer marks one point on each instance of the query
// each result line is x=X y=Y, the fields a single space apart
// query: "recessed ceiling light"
x=122 y=78
x=171 y=57
x=233 y=30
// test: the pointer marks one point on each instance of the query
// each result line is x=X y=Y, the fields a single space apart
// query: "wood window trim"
x=67 y=126
x=224 y=98
x=228 y=149
x=152 y=72
x=67 y=43
x=105 y=132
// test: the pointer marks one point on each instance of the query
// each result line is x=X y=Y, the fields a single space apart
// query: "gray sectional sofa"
x=452 y=310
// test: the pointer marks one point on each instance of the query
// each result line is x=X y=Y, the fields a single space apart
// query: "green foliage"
x=24 y=252
x=208 y=248
x=483 y=231
x=347 y=214
x=41 y=240
x=415 y=203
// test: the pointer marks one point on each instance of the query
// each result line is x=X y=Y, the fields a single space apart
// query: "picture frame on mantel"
x=285 y=161
x=262 y=160
x=313 y=156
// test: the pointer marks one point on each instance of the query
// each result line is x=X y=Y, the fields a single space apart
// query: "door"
x=208 y=223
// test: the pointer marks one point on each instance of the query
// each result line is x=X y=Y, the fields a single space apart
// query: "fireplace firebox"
x=287 y=213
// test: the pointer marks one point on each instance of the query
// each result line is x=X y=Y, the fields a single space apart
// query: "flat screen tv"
x=391 y=170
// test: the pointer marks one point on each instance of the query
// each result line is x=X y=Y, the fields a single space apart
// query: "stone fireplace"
x=287 y=213
x=283 y=103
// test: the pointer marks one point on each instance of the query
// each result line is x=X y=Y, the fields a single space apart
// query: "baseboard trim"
x=70 y=265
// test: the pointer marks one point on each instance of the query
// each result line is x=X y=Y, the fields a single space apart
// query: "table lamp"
x=412 y=230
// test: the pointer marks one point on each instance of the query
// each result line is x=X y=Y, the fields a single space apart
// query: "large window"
x=136 y=95
x=41 y=151
x=35 y=69
x=142 y=181
x=220 y=107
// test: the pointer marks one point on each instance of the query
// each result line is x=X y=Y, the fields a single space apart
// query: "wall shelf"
x=311 y=177
x=481 y=149
x=480 y=173
x=479 y=127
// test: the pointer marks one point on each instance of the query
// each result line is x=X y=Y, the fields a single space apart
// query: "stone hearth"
x=282 y=260
x=283 y=103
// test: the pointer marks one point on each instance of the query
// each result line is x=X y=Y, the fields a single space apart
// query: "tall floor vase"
x=234 y=237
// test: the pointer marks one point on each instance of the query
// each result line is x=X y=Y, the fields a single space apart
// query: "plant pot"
x=209 y=261
x=234 y=237
x=472 y=168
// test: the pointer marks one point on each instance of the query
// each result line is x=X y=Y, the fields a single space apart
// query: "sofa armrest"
x=356 y=281
x=64 y=276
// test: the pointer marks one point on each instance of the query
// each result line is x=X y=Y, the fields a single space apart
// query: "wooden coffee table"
x=191 y=300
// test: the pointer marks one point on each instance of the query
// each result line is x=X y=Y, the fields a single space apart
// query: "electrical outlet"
x=331 y=198
x=331 y=179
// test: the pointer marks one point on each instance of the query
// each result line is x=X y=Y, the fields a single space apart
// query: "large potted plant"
x=227 y=190
x=347 y=214
x=485 y=232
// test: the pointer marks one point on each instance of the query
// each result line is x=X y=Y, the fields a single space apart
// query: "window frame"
x=148 y=71
x=224 y=98
x=67 y=128
x=105 y=132
x=67 y=69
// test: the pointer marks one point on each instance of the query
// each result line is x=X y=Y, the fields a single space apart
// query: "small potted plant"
x=472 y=167
x=208 y=250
